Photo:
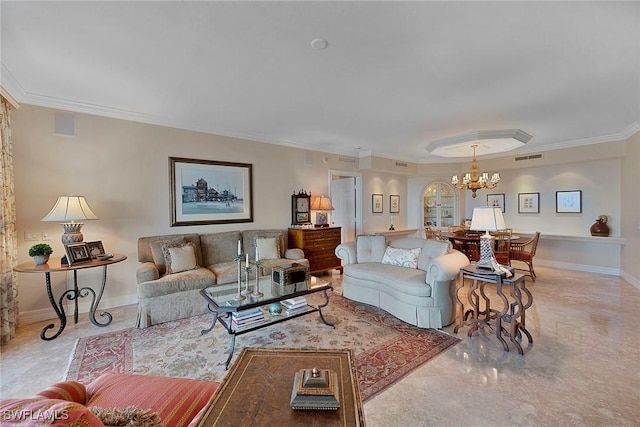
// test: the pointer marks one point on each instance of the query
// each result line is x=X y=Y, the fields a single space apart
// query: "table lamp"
x=321 y=204
x=68 y=210
x=488 y=218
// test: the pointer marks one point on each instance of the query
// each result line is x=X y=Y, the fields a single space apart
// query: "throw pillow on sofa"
x=158 y=254
x=180 y=258
x=401 y=257
x=268 y=248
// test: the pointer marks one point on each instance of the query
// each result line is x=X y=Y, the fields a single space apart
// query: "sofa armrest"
x=294 y=253
x=147 y=272
x=347 y=252
x=446 y=267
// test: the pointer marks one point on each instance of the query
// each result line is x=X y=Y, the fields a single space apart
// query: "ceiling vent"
x=529 y=157
x=402 y=165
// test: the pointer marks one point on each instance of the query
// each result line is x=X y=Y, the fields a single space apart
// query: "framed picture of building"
x=209 y=192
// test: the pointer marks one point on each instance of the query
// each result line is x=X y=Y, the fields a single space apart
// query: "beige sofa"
x=164 y=295
x=419 y=291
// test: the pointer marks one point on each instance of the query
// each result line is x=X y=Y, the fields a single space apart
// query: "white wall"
x=596 y=170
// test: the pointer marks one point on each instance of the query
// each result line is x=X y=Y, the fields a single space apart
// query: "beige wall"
x=121 y=167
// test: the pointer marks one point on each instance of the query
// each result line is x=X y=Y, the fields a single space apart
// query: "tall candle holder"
x=246 y=290
x=256 y=291
x=239 y=296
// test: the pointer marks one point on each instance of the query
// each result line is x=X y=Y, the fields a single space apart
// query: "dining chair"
x=502 y=246
x=430 y=233
x=525 y=252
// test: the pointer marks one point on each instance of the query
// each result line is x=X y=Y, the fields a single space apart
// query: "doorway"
x=345 y=189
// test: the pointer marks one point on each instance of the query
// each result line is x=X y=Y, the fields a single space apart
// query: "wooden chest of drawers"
x=318 y=245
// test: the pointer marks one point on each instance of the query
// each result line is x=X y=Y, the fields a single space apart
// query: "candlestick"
x=239 y=296
x=239 y=252
x=247 y=261
x=256 y=291
x=257 y=258
x=246 y=290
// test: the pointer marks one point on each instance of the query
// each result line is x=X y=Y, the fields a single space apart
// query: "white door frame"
x=358 y=196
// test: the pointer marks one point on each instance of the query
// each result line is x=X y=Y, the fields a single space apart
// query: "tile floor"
x=582 y=369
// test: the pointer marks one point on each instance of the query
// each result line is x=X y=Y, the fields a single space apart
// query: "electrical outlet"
x=30 y=236
x=45 y=235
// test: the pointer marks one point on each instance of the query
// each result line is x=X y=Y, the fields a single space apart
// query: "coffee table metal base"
x=224 y=316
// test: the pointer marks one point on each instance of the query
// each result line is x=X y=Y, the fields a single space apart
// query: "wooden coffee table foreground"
x=257 y=390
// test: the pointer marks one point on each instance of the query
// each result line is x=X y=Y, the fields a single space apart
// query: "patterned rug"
x=386 y=349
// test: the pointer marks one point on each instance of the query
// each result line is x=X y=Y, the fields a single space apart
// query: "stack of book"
x=295 y=305
x=247 y=317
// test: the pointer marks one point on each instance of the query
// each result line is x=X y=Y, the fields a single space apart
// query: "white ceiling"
x=395 y=76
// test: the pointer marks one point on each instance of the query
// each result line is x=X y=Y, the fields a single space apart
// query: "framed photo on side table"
x=95 y=248
x=528 y=202
x=496 y=201
x=77 y=252
x=394 y=203
x=569 y=201
x=376 y=203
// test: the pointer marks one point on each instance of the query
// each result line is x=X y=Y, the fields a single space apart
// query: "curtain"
x=8 y=237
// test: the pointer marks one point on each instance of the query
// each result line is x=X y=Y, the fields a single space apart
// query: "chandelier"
x=474 y=180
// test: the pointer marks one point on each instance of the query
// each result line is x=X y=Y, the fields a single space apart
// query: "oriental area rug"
x=385 y=348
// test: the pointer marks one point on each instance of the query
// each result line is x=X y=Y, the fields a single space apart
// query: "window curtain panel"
x=8 y=237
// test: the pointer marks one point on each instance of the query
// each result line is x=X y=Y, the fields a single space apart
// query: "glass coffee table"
x=227 y=309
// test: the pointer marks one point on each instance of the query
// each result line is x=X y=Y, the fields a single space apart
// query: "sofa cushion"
x=71 y=391
x=226 y=272
x=219 y=247
x=157 y=252
x=267 y=248
x=431 y=248
x=180 y=401
x=180 y=258
x=370 y=248
x=401 y=257
x=249 y=240
x=197 y=278
x=390 y=278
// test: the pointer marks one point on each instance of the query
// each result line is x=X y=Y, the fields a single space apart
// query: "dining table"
x=468 y=242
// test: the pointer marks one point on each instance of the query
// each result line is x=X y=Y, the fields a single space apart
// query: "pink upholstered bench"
x=177 y=401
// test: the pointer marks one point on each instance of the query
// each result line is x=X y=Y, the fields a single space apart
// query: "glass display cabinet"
x=439 y=205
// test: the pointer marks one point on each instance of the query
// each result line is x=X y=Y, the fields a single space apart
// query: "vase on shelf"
x=600 y=228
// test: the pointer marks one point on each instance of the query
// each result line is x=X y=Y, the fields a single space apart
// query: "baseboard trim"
x=632 y=280
x=35 y=316
x=579 y=267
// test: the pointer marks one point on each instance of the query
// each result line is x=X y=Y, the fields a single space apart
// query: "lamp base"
x=72 y=232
